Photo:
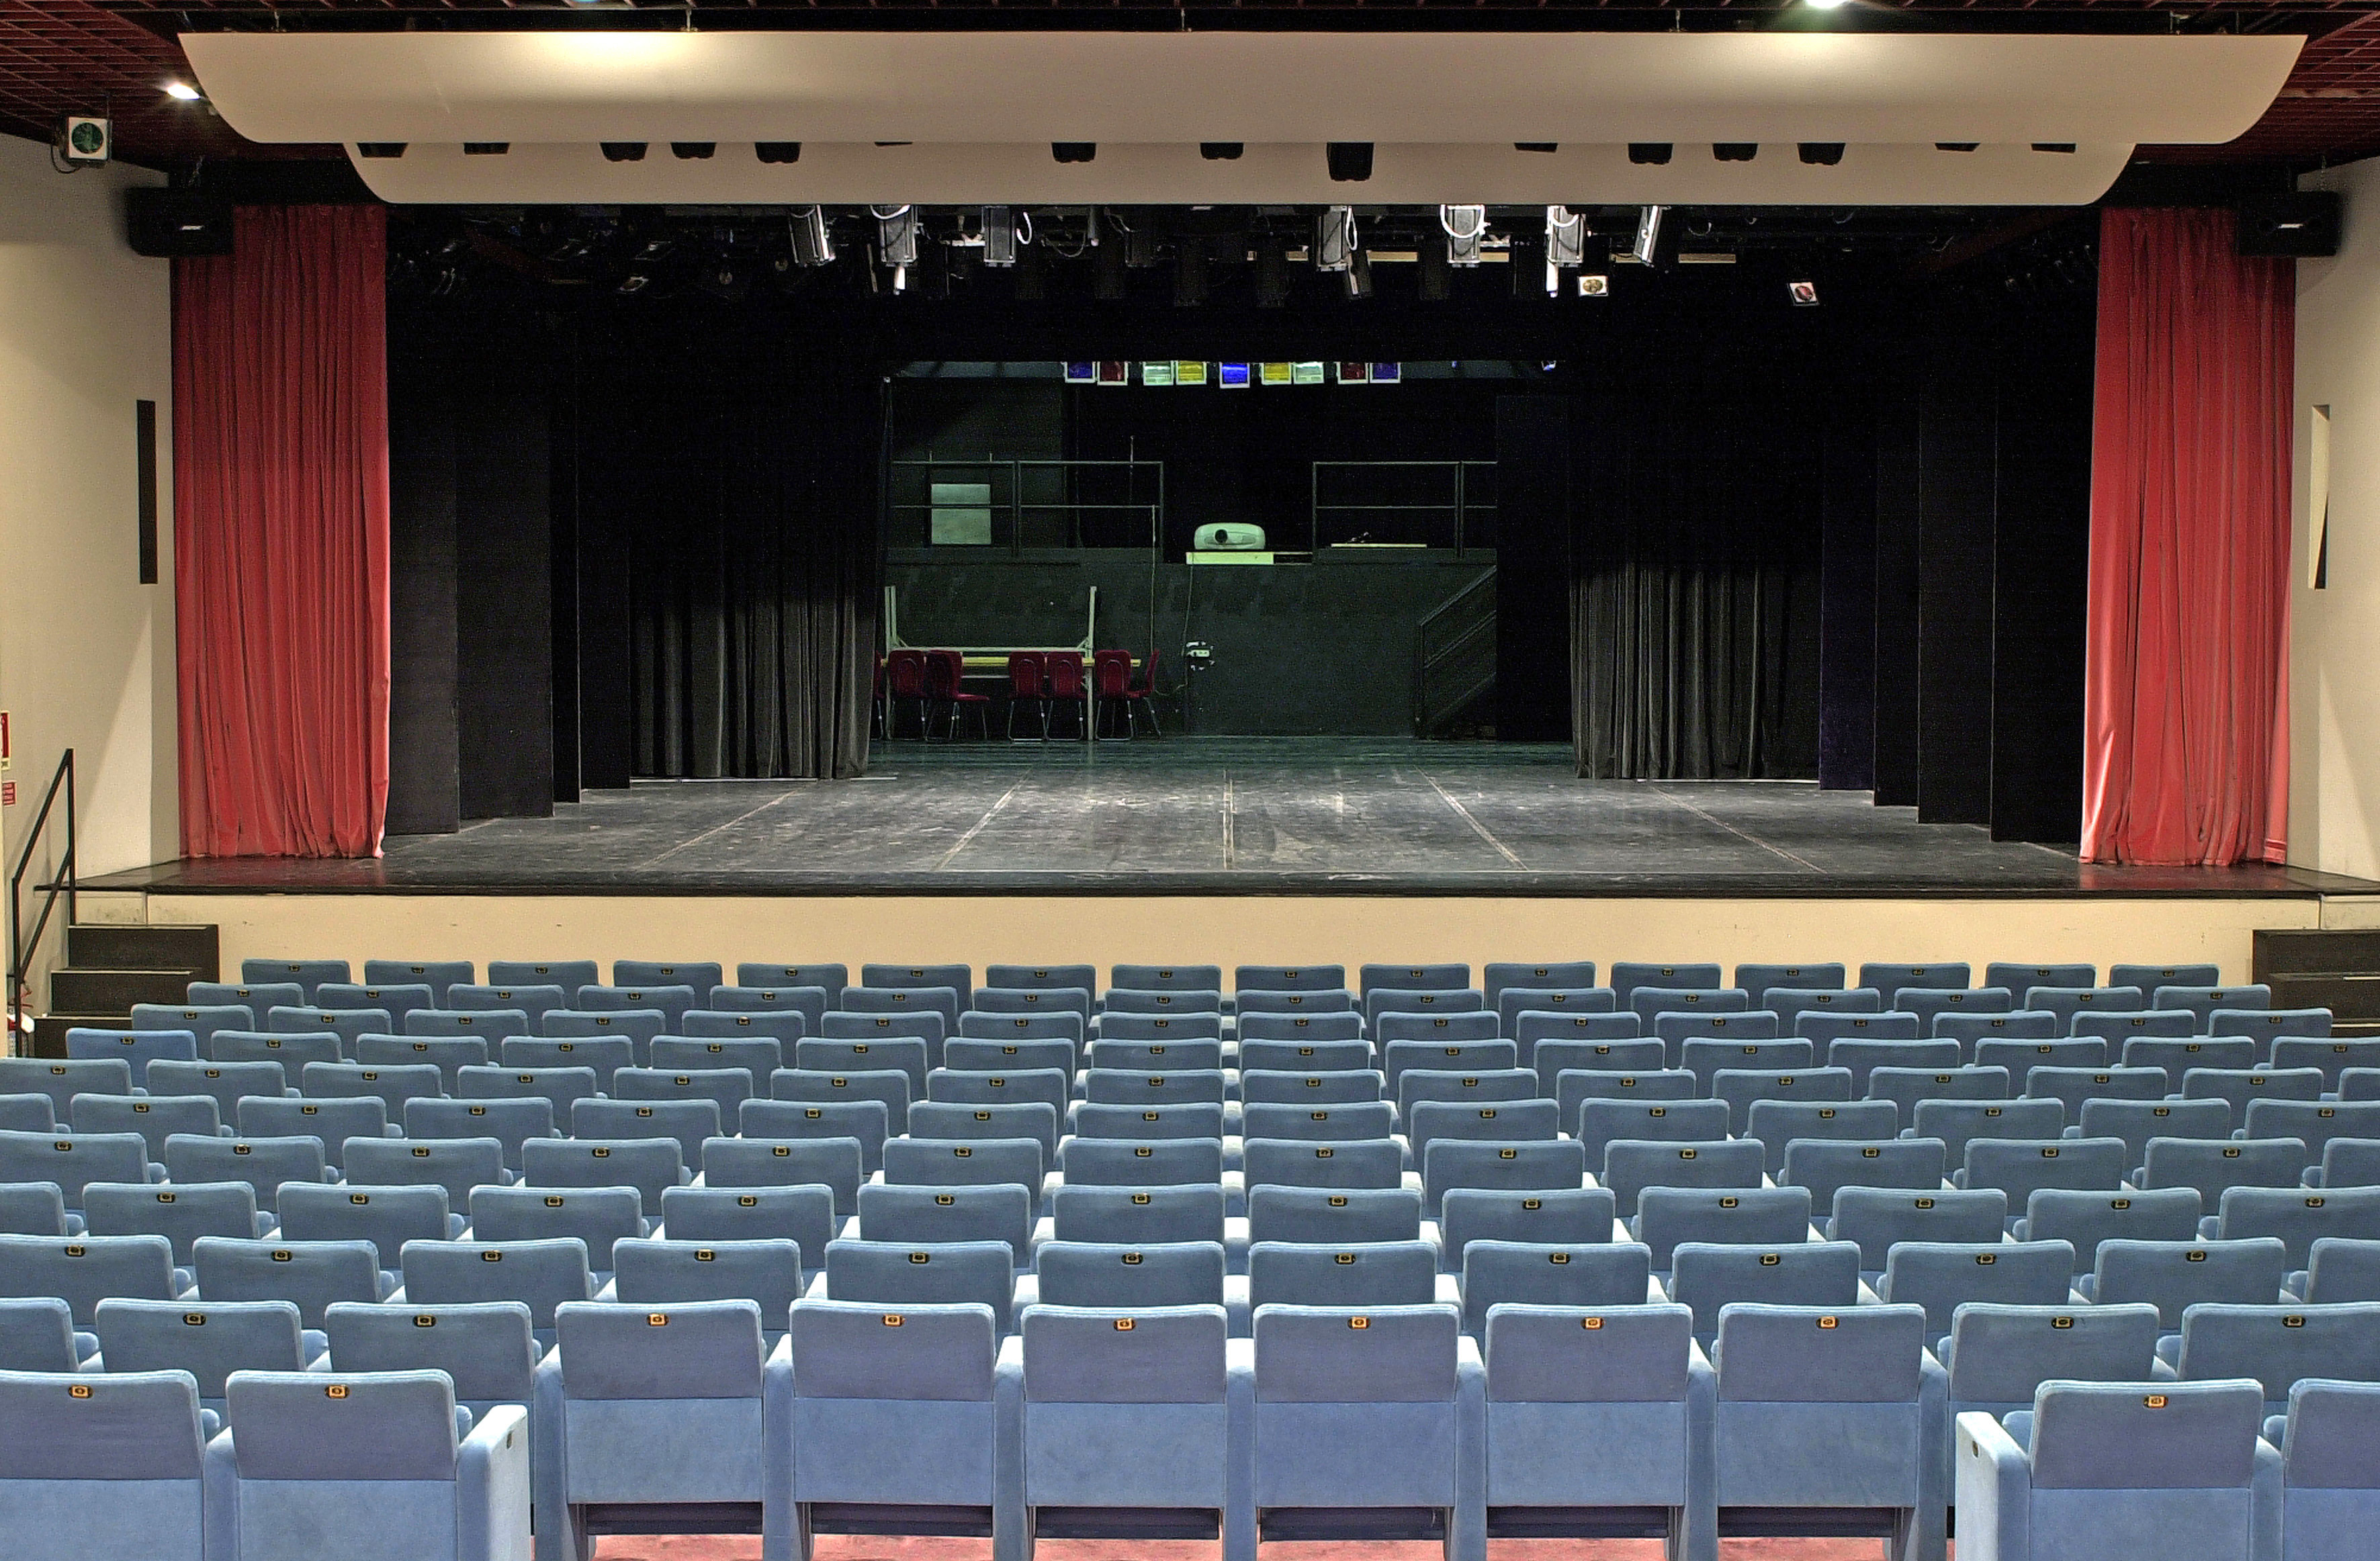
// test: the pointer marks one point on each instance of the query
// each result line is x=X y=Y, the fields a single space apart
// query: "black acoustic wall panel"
x=1532 y=567
x=1847 y=627
x=424 y=780
x=1957 y=498
x=1898 y=553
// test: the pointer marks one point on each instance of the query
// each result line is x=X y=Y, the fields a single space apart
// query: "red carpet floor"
x=845 y=1548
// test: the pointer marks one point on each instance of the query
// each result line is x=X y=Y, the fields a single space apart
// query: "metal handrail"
x=63 y=881
x=1461 y=506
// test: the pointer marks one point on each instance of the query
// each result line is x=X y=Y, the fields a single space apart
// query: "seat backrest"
x=977 y=1055
x=387 y=1217
x=1812 y=1355
x=1512 y=1120
x=2350 y=1162
x=1358 y=1274
x=2100 y=1436
x=62 y=1078
x=929 y=1215
x=1864 y=1056
x=862 y=1121
x=923 y=1273
x=256 y=996
x=79 y=1427
x=201 y=1020
x=343 y=1425
x=1574 y=1216
x=787 y=1025
x=2121 y=1030
x=457 y=1164
x=2001 y=1354
x=1289 y=978
x=2211 y=1165
x=2018 y=976
x=1941 y=1275
x=924 y=1352
x=450 y=1053
x=1368 y=1162
x=1709 y=1278
x=486 y=1347
x=228 y=1082
x=37 y=1208
x=648 y=1166
x=1767 y=1217
x=1531 y=1026
x=209 y=1340
x=1602 y=1272
x=1119 y=1274
x=1050 y=1086
x=1630 y=1165
x=1958 y=1124
x=2278 y=1345
x=1119 y=1162
x=540 y=1275
x=135 y=1047
x=965 y=1162
x=1186 y=1118
x=1334 y=1216
x=1598 y=1122
x=2137 y=1122
x=312 y=1274
x=1544 y=1164
x=1346 y=1086
x=568 y=974
x=154 y=1118
x=1826 y=1166
x=73 y=1159
x=2333 y=1431
x=2175 y=1276
x=1169 y=1023
x=497 y=1024
x=1167 y=978
x=334 y=1120
x=1931 y=1003
x=1907 y=1088
x=672 y=999
x=2149 y=977
x=1568 y=1354
x=37 y=1334
x=84 y=1270
x=2020 y=1057
x=2068 y=1001
x=759 y=1055
x=436 y=974
x=1366 y=1354
x=510 y=1122
x=1038 y=1000
x=671 y=1272
x=1889 y=979
x=804 y=1215
x=1137 y=1215
x=1970 y=1029
x=2203 y=1000
x=394 y=1085
x=2312 y=1122
x=2298 y=1216
x=2017 y=1165
x=688 y=1124
x=2087 y=1219
x=829 y=978
x=1160 y=1355
x=831 y=1163
x=2343 y=1269
x=1814 y=976
x=533 y=998
x=1114 y=1086
x=1740 y=1087
x=1373 y=1119
x=1304 y=1053
x=398 y=999
x=1777 y=1124
x=263 y=1163
x=1877 y=1218
x=1824 y=1026
x=1704 y=1056
x=597 y=1215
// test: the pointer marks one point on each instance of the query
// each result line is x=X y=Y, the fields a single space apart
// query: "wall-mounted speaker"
x=162 y=223
x=2303 y=222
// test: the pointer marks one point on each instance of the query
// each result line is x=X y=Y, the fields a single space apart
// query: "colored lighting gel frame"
x=1189 y=373
x=1082 y=373
x=1274 y=374
x=1388 y=373
x=1157 y=373
x=1305 y=373
x=1232 y=376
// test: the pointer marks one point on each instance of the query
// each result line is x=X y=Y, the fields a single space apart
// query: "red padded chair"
x=904 y=680
x=944 y=670
x=1027 y=685
x=1111 y=687
x=1062 y=684
x=1139 y=698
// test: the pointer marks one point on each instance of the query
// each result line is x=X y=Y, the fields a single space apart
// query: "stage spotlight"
x=1190 y=274
x=1465 y=226
x=812 y=243
x=1359 y=276
x=1536 y=146
x=1648 y=235
x=1139 y=240
x=1350 y=162
x=777 y=152
x=1821 y=154
x=1434 y=281
x=1334 y=238
x=896 y=234
x=691 y=151
x=999 y=237
x=380 y=149
x=1073 y=152
x=1220 y=151
x=1655 y=152
x=486 y=149
x=1736 y=152
x=1595 y=286
x=1565 y=237
x=636 y=280
x=1827 y=4
x=1803 y=294
x=723 y=280
x=1272 y=273
x=623 y=151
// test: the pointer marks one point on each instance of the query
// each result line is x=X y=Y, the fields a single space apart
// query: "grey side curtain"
x=755 y=604
x=1677 y=670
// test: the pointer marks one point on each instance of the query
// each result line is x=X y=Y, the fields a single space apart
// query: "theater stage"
x=1223 y=817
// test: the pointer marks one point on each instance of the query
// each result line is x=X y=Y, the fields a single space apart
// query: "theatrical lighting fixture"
x=1956 y=146
x=1220 y=151
x=1434 y=280
x=691 y=151
x=1595 y=286
x=1826 y=4
x=777 y=152
x=623 y=151
x=1654 y=153
x=813 y=246
x=896 y=236
x=1648 y=235
x=486 y=149
x=1109 y=284
x=1821 y=154
x=1359 y=276
x=1350 y=162
x=182 y=91
x=1803 y=294
x=1536 y=146
x=636 y=280
x=1073 y=152
x=1465 y=227
x=1565 y=237
x=1272 y=273
x=380 y=149
x=1190 y=274
x=1735 y=152
x=1334 y=238
x=998 y=236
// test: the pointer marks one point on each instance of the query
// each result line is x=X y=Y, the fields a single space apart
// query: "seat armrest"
x=492 y=1488
x=1994 y=1483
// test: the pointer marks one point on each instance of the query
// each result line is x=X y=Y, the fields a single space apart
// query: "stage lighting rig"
x=623 y=151
x=999 y=237
x=1465 y=228
x=1334 y=238
x=1821 y=154
x=1073 y=152
x=896 y=234
x=1803 y=294
x=1648 y=235
x=813 y=245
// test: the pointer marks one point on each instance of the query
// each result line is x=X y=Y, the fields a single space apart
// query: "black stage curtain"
x=1696 y=544
x=743 y=489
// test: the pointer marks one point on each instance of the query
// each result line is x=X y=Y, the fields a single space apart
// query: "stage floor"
x=1223 y=815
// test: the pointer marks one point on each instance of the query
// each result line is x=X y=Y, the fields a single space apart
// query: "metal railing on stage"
x=1019 y=504
x=1428 y=503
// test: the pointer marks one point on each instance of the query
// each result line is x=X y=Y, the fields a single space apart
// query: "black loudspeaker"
x=2304 y=223
x=162 y=223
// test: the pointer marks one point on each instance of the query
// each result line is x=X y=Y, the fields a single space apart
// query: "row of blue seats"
x=1330 y=1421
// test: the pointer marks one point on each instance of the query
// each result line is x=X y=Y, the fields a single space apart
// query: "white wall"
x=86 y=652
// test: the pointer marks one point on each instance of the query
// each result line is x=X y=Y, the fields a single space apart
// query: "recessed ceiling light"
x=182 y=91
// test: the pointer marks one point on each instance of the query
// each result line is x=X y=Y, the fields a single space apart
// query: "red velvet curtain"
x=281 y=535
x=2187 y=705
